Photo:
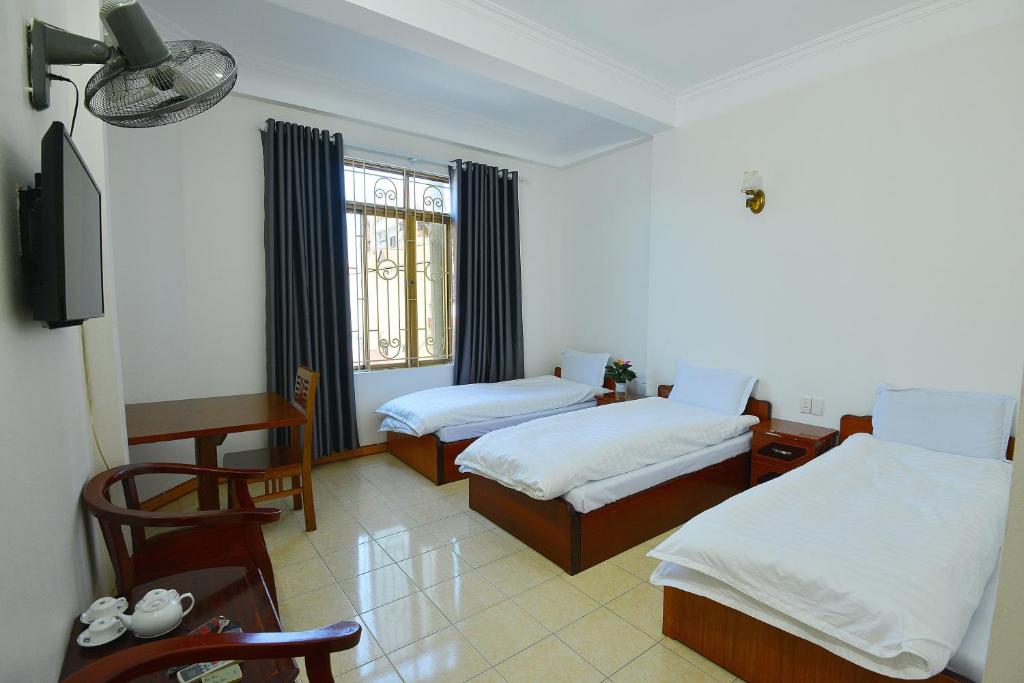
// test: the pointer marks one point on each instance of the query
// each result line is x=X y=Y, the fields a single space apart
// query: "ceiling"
x=551 y=81
x=682 y=43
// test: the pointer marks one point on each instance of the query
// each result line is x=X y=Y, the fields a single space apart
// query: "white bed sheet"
x=549 y=457
x=597 y=494
x=860 y=551
x=475 y=430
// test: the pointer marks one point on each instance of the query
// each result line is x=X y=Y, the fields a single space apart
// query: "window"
x=400 y=255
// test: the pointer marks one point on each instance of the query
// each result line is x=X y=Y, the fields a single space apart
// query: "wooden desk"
x=231 y=592
x=208 y=421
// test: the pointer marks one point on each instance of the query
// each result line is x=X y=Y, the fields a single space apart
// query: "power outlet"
x=806 y=403
x=817 y=406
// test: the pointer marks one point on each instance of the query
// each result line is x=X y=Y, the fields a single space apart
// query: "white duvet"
x=545 y=458
x=424 y=412
x=877 y=551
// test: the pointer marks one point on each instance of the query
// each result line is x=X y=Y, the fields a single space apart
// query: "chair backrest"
x=304 y=401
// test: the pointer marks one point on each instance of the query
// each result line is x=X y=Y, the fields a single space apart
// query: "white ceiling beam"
x=480 y=37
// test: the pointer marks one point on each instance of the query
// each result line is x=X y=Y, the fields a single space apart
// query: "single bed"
x=713 y=612
x=600 y=519
x=433 y=454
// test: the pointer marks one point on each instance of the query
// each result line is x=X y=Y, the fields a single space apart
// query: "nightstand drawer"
x=762 y=471
x=781 y=450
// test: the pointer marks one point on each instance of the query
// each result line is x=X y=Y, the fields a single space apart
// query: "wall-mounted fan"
x=144 y=82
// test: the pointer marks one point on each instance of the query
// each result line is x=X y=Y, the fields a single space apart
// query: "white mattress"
x=596 y=494
x=968 y=660
x=472 y=430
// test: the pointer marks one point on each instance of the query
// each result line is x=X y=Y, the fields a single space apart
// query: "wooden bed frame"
x=434 y=458
x=576 y=541
x=758 y=652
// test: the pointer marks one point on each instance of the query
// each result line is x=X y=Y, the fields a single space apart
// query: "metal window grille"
x=401 y=251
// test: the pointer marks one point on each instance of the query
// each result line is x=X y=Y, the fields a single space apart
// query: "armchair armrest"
x=315 y=646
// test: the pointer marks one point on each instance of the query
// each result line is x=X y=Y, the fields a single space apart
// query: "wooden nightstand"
x=612 y=397
x=780 y=446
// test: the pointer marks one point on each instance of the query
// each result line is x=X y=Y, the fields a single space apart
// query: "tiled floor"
x=444 y=595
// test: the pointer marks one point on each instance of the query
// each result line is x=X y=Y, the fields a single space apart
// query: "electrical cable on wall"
x=88 y=400
x=74 y=116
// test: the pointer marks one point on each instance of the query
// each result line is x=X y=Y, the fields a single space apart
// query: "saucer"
x=121 y=609
x=85 y=639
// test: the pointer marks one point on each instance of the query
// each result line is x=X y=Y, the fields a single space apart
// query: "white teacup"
x=104 y=607
x=102 y=630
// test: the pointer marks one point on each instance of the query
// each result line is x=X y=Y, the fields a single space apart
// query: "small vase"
x=620 y=388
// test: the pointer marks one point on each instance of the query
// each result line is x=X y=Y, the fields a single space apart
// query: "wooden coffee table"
x=230 y=592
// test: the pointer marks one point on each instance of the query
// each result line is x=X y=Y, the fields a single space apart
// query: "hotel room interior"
x=512 y=340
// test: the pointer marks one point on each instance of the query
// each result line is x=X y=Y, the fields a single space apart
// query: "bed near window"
x=875 y=562
x=581 y=488
x=428 y=429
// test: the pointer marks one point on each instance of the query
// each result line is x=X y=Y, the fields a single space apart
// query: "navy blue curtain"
x=307 y=276
x=488 y=276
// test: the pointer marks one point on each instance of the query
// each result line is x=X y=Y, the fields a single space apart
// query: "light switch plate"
x=806 y=404
x=818 y=406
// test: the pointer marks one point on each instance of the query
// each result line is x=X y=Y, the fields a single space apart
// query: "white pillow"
x=585 y=368
x=724 y=391
x=977 y=425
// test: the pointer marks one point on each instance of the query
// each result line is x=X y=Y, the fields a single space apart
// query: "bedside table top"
x=612 y=397
x=792 y=429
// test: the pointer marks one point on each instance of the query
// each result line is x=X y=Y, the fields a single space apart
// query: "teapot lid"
x=152 y=604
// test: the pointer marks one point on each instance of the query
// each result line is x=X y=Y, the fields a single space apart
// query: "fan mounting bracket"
x=48 y=45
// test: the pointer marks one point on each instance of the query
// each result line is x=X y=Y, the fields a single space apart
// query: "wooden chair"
x=215 y=538
x=293 y=461
x=315 y=646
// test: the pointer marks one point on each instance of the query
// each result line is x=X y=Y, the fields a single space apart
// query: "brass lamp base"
x=755 y=200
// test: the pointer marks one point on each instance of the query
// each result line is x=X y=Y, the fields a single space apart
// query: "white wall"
x=54 y=563
x=605 y=243
x=889 y=249
x=190 y=259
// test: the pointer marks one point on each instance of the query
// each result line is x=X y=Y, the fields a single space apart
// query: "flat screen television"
x=61 y=235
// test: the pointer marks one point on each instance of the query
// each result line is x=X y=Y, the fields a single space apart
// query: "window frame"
x=409 y=217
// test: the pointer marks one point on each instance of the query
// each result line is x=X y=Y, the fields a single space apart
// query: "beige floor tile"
x=367 y=505
x=642 y=607
x=489 y=676
x=434 y=567
x=303 y=577
x=377 y=587
x=404 y=621
x=389 y=523
x=501 y=631
x=431 y=511
x=474 y=515
x=465 y=595
x=459 y=499
x=456 y=528
x=321 y=607
x=517 y=572
x=605 y=640
x=357 y=559
x=292 y=550
x=485 y=548
x=328 y=539
x=442 y=656
x=698 y=660
x=404 y=495
x=550 y=661
x=284 y=529
x=555 y=603
x=661 y=665
x=453 y=487
x=408 y=543
x=377 y=671
x=636 y=562
x=604 y=582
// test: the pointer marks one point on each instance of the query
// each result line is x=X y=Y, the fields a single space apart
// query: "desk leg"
x=206 y=456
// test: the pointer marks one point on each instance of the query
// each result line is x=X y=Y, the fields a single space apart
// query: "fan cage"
x=196 y=77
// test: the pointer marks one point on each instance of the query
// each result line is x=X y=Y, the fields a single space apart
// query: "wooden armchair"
x=314 y=646
x=216 y=538
x=294 y=461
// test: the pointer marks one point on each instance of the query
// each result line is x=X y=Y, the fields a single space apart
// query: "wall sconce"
x=752 y=184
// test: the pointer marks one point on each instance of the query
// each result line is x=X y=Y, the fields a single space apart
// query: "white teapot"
x=157 y=613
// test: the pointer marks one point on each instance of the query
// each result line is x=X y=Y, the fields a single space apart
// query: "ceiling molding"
x=855 y=32
x=542 y=35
